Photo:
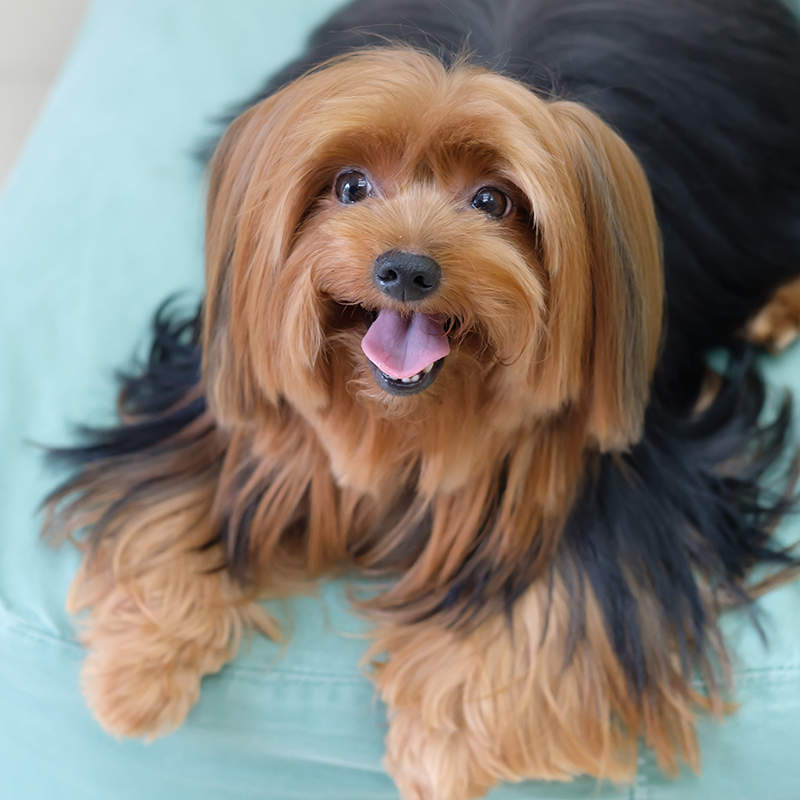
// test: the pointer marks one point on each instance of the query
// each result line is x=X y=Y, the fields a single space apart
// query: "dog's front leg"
x=158 y=618
x=434 y=763
x=505 y=701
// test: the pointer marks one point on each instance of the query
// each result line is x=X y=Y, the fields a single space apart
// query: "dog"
x=465 y=263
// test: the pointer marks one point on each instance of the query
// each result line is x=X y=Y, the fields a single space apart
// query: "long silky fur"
x=684 y=510
x=651 y=541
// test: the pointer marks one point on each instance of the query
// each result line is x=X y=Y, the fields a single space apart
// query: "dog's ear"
x=260 y=185
x=226 y=368
x=234 y=383
x=611 y=273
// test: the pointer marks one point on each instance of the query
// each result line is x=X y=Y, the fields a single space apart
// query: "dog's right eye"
x=351 y=186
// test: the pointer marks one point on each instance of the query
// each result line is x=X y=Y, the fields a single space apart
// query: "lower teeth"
x=413 y=379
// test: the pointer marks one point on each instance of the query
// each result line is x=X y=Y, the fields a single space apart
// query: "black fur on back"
x=707 y=94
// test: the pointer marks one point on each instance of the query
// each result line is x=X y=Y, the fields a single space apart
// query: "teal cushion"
x=100 y=220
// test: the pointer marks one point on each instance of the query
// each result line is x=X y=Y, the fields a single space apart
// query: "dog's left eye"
x=351 y=186
x=491 y=201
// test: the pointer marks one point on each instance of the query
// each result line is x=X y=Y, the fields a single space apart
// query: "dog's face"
x=423 y=260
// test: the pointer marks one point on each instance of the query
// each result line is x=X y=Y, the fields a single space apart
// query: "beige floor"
x=35 y=37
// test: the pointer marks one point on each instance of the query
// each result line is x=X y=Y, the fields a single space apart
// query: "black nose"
x=406 y=276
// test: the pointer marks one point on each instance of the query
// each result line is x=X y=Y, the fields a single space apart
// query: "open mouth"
x=402 y=386
x=405 y=351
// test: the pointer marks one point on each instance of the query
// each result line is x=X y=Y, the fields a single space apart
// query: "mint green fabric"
x=100 y=220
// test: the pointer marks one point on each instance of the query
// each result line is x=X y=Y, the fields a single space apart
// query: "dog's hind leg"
x=777 y=324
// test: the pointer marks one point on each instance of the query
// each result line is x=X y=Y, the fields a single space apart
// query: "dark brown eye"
x=492 y=202
x=351 y=186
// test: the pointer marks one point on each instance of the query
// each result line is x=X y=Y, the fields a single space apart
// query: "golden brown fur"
x=777 y=325
x=559 y=318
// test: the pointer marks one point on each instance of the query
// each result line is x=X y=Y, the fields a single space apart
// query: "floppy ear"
x=230 y=385
x=259 y=187
x=618 y=249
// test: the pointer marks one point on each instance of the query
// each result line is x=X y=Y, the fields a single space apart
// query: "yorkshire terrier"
x=465 y=265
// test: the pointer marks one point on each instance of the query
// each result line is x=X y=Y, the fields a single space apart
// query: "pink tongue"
x=403 y=346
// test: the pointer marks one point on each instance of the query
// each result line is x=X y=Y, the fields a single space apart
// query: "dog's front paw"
x=433 y=764
x=145 y=695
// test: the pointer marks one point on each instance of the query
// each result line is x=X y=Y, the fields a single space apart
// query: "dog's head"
x=426 y=257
